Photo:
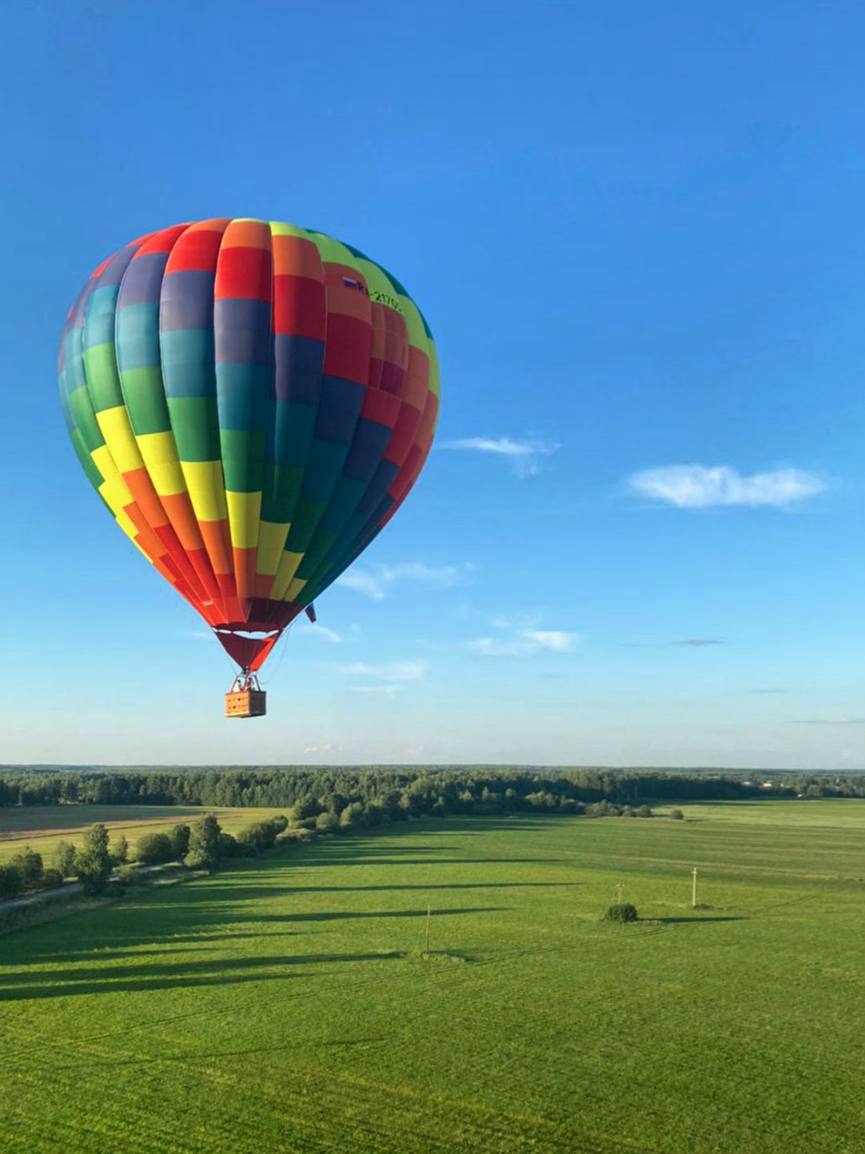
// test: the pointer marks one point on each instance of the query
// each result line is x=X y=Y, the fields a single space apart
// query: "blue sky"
x=636 y=231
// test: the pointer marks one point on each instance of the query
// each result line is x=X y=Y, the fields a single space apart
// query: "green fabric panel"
x=82 y=412
x=196 y=428
x=293 y=432
x=93 y=474
x=306 y=519
x=243 y=459
x=281 y=493
x=145 y=400
x=103 y=383
x=316 y=554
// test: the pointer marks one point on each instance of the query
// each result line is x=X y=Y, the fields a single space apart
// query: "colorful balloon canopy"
x=253 y=402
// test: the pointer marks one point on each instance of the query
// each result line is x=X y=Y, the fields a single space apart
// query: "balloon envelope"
x=252 y=401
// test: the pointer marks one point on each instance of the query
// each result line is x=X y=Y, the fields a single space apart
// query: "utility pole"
x=428 y=920
x=694 y=888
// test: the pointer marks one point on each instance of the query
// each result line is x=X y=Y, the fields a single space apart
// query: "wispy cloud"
x=524 y=456
x=392 y=671
x=321 y=631
x=378 y=580
x=702 y=487
x=696 y=642
x=389 y=690
x=525 y=642
x=327 y=747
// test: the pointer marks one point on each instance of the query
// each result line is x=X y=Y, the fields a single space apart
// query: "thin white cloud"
x=321 y=631
x=696 y=642
x=328 y=747
x=377 y=581
x=389 y=690
x=556 y=639
x=524 y=456
x=702 y=487
x=393 y=671
x=526 y=642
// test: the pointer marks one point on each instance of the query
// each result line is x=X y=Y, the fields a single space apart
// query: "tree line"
x=201 y=845
x=458 y=790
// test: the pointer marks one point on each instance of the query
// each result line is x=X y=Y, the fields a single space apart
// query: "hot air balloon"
x=253 y=402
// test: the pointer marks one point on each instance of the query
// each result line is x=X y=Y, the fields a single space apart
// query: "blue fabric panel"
x=338 y=409
x=187 y=300
x=242 y=332
x=298 y=362
x=142 y=280
x=187 y=362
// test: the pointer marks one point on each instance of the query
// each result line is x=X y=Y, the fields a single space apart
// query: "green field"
x=42 y=827
x=286 y=1006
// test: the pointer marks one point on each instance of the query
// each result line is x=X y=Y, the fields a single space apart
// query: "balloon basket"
x=246 y=698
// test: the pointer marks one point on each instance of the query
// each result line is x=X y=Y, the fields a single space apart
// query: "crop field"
x=42 y=827
x=290 y=1004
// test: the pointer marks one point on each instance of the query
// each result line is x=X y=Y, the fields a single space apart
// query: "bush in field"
x=327 y=822
x=50 y=878
x=11 y=882
x=229 y=846
x=120 y=850
x=64 y=858
x=621 y=912
x=644 y=811
x=179 y=840
x=204 y=843
x=154 y=848
x=31 y=867
x=127 y=875
x=93 y=861
x=677 y=815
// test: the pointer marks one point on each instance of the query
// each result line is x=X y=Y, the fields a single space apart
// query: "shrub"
x=120 y=852
x=154 y=848
x=179 y=836
x=677 y=815
x=93 y=861
x=29 y=864
x=127 y=875
x=11 y=882
x=327 y=822
x=621 y=912
x=644 y=811
x=351 y=816
x=64 y=858
x=204 y=843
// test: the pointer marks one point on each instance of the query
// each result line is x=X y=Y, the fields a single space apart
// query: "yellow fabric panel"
x=244 y=515
x=115 y=494
x=413 y=322
x=333 y=251
x=434 y=378
x=281 y=228
x=271 y=542
x=293 y=591
x=127 y=526
x=206 y=489
x=159 y=453
x=104 y=462
x=287 y=568
x=117 y=431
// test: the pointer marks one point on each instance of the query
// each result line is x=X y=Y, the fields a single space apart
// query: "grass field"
x=285 y=1006
x=42 y=827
